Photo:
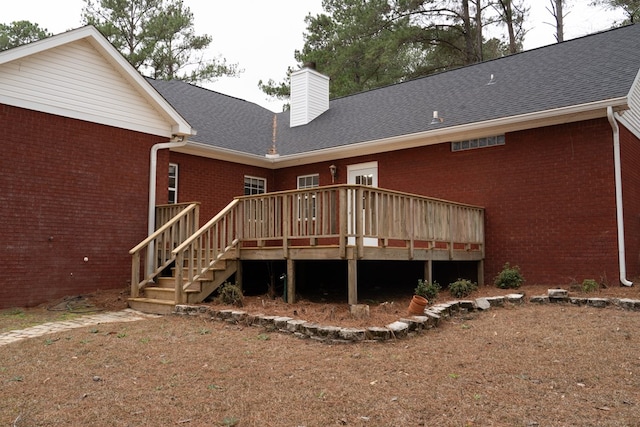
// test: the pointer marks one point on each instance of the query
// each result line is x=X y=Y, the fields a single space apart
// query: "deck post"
x=428 y=271
x=135 y=275
x=238 y=273
x=342 y=221
x=291 y=281
x=481 y=272
x=352 y=273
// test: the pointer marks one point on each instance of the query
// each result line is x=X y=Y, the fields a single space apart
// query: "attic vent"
x=309 y=96
x=470 y=144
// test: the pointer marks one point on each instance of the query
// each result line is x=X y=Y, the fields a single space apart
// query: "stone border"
x=399 y=329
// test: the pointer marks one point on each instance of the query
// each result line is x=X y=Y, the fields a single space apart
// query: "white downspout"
x=618 y=180
x=176 y=141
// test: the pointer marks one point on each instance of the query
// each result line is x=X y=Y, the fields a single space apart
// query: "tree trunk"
x=559 y=21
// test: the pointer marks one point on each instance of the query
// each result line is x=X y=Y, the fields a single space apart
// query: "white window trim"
x=175 y=188
x=302 y=199
x=256 y=178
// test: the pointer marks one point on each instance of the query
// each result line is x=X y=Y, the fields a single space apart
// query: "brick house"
x=545 y=143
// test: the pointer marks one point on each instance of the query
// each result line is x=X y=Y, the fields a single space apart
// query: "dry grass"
x=514 y=366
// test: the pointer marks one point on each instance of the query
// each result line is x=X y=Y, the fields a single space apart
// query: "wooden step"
x=164 y=294
x=170 y=282
x=152 y=306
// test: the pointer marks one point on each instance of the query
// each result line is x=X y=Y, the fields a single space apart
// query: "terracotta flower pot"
x=417 y=305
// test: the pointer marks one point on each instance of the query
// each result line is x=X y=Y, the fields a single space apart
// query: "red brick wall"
x=630 y=156
x=213 y=183
x=548 y=193
x=70 y=189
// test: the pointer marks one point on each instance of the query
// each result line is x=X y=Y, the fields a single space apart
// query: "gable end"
x=75 y=80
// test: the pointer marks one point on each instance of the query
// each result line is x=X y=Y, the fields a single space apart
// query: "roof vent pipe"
x=618 y=182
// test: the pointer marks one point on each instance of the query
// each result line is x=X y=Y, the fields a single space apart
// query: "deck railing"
x=360 y=216
x=205 y=247
x=153 y=254
x=165 y=213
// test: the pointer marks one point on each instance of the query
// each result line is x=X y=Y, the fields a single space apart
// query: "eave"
x=504 y=125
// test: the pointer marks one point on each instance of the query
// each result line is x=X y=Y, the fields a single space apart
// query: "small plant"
x=509 y=277
x=589 y=285
x=427 y=289
x=231 y=295
x=462 y=288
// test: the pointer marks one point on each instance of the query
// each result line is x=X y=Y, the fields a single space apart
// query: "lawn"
x=524 y=365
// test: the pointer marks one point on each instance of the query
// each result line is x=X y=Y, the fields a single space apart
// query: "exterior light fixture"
x=333 y=170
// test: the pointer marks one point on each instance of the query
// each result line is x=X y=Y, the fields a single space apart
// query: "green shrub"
x=427 y=289
x=462 y=288
x=509 y=277
x=230 y=294
x=589 y=285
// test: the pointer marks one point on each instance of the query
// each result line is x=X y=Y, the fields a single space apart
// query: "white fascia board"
x=211 y=152
x=179 y=125
x=455 y=133
x=458 y=133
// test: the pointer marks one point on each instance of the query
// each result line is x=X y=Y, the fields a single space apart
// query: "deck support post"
x=291 y=281
x=428 y=271
x=481 y=272
x=238 y=273
x=352 y=273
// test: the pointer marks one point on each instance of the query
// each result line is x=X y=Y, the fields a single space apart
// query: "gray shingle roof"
x=592 y=68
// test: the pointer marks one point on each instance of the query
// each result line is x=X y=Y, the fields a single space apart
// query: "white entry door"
x=361 y=174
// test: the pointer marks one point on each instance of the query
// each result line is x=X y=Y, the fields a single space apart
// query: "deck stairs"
x=199 y=259
x=160 y=297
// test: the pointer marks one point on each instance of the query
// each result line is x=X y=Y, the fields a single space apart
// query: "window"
x=470 y=144
x=253 y=185
x=308 y=181
x=307 y=203
x=173 y=183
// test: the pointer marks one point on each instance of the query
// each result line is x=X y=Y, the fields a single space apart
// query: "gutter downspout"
x=618 y=182
x=176 y=141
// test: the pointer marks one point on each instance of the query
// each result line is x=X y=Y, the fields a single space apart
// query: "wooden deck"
x=341 y=222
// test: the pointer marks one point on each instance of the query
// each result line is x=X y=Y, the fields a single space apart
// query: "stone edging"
x=398 y=329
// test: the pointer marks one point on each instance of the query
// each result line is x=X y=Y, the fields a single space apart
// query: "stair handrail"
x=198 y=253
x=169 y=235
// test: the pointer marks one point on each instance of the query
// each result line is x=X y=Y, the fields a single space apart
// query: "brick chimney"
x=309 y=95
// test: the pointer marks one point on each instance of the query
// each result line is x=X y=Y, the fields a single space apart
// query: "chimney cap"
x=310 y=65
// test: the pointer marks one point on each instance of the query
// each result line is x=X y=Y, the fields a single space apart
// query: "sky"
x=261 y=36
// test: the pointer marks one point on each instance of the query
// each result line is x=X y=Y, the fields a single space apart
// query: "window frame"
x=173 y=188
x=302 y=200
x=250 y=187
